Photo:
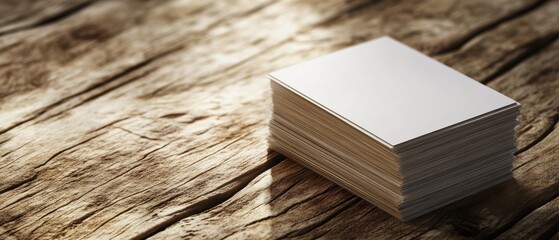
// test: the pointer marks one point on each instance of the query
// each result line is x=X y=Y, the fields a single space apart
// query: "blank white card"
x=390 y=91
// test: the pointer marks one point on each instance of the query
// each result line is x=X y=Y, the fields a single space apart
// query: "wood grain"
x=137 y=119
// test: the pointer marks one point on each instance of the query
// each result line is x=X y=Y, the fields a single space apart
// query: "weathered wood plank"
x=109 y=120
x=61 y=57
x=160 y=116
x=267 y=207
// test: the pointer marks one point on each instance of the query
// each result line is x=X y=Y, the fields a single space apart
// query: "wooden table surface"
x=148 y=119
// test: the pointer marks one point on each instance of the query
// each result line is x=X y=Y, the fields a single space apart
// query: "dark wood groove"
x=352 y=201
x=66 y=149
x=212 y=201
x=525 y=211
x=110 y=80
x=112 y=218
x=440 y=217
x=21 y=199
x=285 y=210
x=138 y=135
x=79 y=220
x=6 y=48
x=356 y=8
x=549 y=233
x=177 y=195
x=18 y=184
x=14 y=150
x=145 y=156
x=97 y=85
x=533 y=48
x=286 y=190
x=8 y=22
x=541 y=137
x=51 y=19
x=459 y=42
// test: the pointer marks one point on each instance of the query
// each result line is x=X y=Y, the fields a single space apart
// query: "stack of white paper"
x=393 y=126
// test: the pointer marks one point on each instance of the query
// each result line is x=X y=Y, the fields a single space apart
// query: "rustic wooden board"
x=137 y=119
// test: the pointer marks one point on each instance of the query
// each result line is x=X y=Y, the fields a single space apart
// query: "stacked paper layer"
x=393 y=126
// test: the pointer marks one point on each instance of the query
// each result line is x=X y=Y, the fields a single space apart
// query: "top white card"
x=389 y=90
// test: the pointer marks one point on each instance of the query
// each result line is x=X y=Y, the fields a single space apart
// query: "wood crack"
x=18 y=184
x=112 y=218
x=290 y=186
x=372 y=209
x=51 y=19
x=275 y=197
x=130 y=195
x=8 y=47
x=109 y=124
x=171 y=198
x=65 y=150
x=119 y=200
x=554 y=188
x=98 y=186
x=238 y=183
x=213 y=145
x=347 y=12
x=435 y=223
x=352 y=201
x=550 y=232
x=533 y=48
x=111 y=79
x=79 y=220
x=114 y=77
x=4 y=141
x=21 y=199
x=541 y=137
x=147 y=200
x=285 y=210
x=138 y=135
x=14 y=150
x=460 y=41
